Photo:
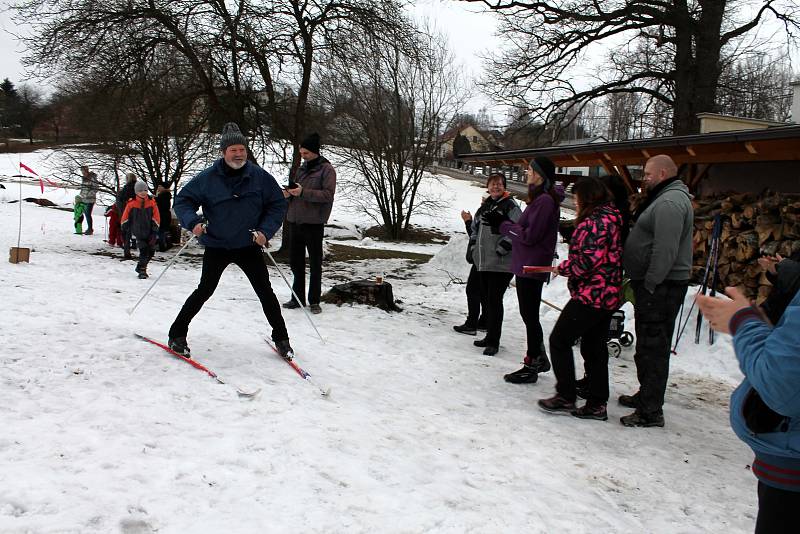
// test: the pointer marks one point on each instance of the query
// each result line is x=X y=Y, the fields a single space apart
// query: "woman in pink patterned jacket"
x=594 y=272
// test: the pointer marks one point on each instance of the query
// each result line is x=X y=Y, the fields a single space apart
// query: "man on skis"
x=236 y=196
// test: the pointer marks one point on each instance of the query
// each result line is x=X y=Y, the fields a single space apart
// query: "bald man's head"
x=657 y=169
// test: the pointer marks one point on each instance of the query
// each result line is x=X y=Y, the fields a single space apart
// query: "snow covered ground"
x=102 y=432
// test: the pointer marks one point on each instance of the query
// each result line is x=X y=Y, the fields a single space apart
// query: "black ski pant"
x=474 y=299
x=307 y=236
x=578 y=320
x=529 y=294
x=655 y=316
x=493 y=288
x=215 y=261
x=777 y=510
x=126 y=240
x=146 y=253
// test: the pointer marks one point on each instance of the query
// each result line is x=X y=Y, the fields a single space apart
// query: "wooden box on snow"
x=19 y=254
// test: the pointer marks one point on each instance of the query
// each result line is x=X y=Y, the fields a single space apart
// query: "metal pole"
x=169 y=264
x=297 y=299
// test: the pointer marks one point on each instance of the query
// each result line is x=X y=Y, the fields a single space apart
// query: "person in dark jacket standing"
x=658 y=260
x=476 y=320
x=594 y=277
x=784 y=275
x=491 y=255
x=125 y=194
x=533 y=240
x=244 y=208
x=141 y=220
x=310 y=198
x=164 y=203
x=765 y=408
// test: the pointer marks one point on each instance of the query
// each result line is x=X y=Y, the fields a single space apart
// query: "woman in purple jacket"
x=533 y=239
x=594 y=277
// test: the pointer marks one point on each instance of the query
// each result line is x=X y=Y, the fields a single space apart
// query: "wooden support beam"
x=609 y=169
x=626 y=177
x=750 y=148
x=699 y=176
x=691 y=151
x=576 y=158
x=645 y=153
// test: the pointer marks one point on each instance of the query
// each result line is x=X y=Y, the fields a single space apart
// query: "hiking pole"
x=551 y=305
x=169 y=264
x=297 y=299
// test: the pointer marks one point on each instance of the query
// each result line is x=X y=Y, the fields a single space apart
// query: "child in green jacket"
x=77 y=214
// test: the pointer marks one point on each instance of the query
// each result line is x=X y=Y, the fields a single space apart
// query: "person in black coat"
x=784 y=275
x=164 y=203
x=125 y=194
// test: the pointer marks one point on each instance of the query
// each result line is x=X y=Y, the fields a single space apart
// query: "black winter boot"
x=465 y=329
x=638 y=418
x=541 y=363
x=526 y=375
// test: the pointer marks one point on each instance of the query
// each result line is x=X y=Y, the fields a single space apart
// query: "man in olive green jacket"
x=658 y=260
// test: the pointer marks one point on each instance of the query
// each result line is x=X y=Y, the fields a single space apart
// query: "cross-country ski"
x=197 y=365
x=325 y=392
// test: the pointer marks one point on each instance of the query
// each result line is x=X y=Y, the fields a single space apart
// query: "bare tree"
x=670 y=52
x=393 y=92
x=243 y=54
x=757 y=87
x=30 y=109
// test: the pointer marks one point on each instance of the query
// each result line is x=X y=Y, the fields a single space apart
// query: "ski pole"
x=551 y=305
x=297 y=299
x=169 y=264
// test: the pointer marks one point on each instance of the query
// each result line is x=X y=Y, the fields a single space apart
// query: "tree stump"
x=367 y=292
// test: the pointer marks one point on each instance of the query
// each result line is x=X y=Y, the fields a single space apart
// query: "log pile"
x=752 y=225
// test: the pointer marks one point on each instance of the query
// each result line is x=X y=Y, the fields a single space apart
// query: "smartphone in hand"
x=292 y=185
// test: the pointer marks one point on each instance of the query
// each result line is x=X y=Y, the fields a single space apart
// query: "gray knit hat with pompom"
x=231 y=135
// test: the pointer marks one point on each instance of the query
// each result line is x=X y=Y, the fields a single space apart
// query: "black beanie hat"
x=546 y=169
x=311 y=143
x=231 y=135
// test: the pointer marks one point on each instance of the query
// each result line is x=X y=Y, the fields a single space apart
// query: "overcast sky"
x=471 y=33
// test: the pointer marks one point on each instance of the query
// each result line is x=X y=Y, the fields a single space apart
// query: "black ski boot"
x=178 y=344
x=526 y=375
x=284 y=349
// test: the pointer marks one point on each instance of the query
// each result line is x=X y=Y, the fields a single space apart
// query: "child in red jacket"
x=141 y=219
x=114 y=231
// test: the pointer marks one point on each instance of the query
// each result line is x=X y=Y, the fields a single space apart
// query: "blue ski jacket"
x=232 y=205
x=769 y=357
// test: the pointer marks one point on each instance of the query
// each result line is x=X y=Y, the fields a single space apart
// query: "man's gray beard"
x=235 y=165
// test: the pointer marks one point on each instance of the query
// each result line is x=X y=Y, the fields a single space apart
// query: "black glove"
x=493 y=219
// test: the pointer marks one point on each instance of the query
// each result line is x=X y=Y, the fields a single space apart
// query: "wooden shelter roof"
x=778 y=143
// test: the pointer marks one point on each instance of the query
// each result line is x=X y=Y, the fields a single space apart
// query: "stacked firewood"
x=753 y=225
